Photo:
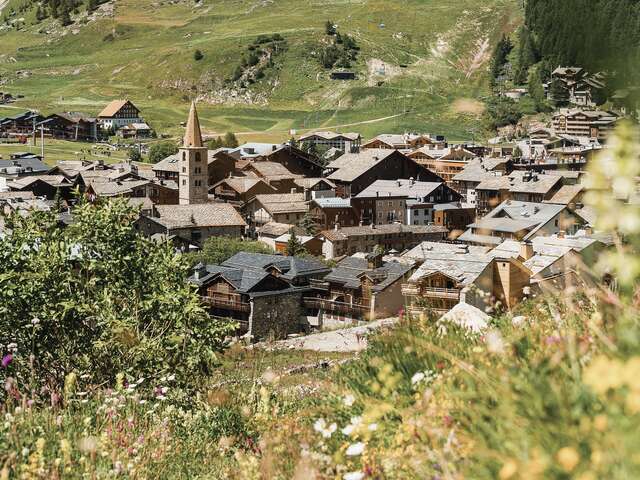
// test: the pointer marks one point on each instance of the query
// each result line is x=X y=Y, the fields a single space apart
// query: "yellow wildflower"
x=604 y=374
x=600 y=422
x=568 y=458
x=508 y=470
x=633 y=402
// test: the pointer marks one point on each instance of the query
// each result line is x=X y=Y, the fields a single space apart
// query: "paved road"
x=351 y=339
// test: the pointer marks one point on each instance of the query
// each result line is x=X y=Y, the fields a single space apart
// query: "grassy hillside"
x=434 y=53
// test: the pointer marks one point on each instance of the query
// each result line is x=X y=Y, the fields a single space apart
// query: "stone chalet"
x=239 y=190
x=476 y=171
x=161 y=193
x=405 y=201
x=119 y=113
x=513 y=220
x=597 y=124
x=453 y=273
x=353 y=172
x=556 y=262
x=345 y=142
x=47 y=186
x=398 y=237
x=262 y=292
x=360 y=287
x=523 y=186
x=195 y=222
x=280 y=208
x=407 y=141
x=274 y=174
x=329 y=212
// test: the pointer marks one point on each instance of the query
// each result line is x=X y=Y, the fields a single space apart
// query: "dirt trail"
x=353 y=339
x=364 y=122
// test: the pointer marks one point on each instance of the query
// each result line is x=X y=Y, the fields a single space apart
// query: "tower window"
x=198 y=156
x=184 y=156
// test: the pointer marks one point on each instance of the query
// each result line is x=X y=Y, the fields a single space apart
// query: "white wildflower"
x=417 y=378
x=518 y=321
x=494 y=341
x=373 y=427
x=355 y=449
x=349 y=400
x=353 y=476
x=355 y=423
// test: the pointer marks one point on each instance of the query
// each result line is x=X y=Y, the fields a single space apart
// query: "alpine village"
x=285 y=239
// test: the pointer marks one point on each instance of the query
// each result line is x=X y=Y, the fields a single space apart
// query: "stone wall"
x=275 y=316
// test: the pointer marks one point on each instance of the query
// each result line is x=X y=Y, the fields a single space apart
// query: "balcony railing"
x=319 y=284
x=336 y=307
x=227 y=304
x=440 y=292
x=411 y=290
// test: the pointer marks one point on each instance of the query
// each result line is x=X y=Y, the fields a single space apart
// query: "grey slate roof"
x=352 y=165
x=333 y=202
x=349 y=272
x=24 y=165
x=199 y=215
x=399 y=188
x=291 y=267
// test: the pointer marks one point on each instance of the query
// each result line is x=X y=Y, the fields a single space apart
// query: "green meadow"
x=434 y=53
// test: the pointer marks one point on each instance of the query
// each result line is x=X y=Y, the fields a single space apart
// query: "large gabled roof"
x=350 y=270
x=113 y=108
x=198 y=215
x=289 y=267
x=399 y=188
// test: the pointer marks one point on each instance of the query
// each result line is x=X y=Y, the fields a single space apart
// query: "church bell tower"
x=193 y=164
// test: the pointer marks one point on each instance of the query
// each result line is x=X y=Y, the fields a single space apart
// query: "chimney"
x=373 y=225
x=293 y=190
x=526 y=250
x=561 y=234
x=411 y=180
x=336 y=227
x=199 y=271
x=374 y=260
x=588 y=230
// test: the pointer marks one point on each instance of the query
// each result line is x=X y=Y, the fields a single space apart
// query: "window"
x=184 y=169
x=184 y=182
x=184 y=156
x=198 y=170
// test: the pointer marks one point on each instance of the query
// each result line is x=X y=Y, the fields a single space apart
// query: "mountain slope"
x=416 y=58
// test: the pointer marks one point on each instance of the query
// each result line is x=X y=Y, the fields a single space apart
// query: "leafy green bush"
x=96 y=298
x=218 y=249
x=160 y=151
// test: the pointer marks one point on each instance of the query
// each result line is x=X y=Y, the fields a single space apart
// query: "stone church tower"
x=192 y=163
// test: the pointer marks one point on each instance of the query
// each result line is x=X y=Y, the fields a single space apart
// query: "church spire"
x=193 y=136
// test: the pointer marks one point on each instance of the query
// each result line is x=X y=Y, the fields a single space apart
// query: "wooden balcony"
x=319 y=284
x=227 y=304
x=412 y=290
x=340 y=308
x=437 y=292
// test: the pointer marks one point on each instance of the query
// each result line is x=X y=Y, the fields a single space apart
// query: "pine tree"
x=294 y=246
x=308 y=224
x=65 y=18
x=536 y=90
x=559 y=93
x=230 y=140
